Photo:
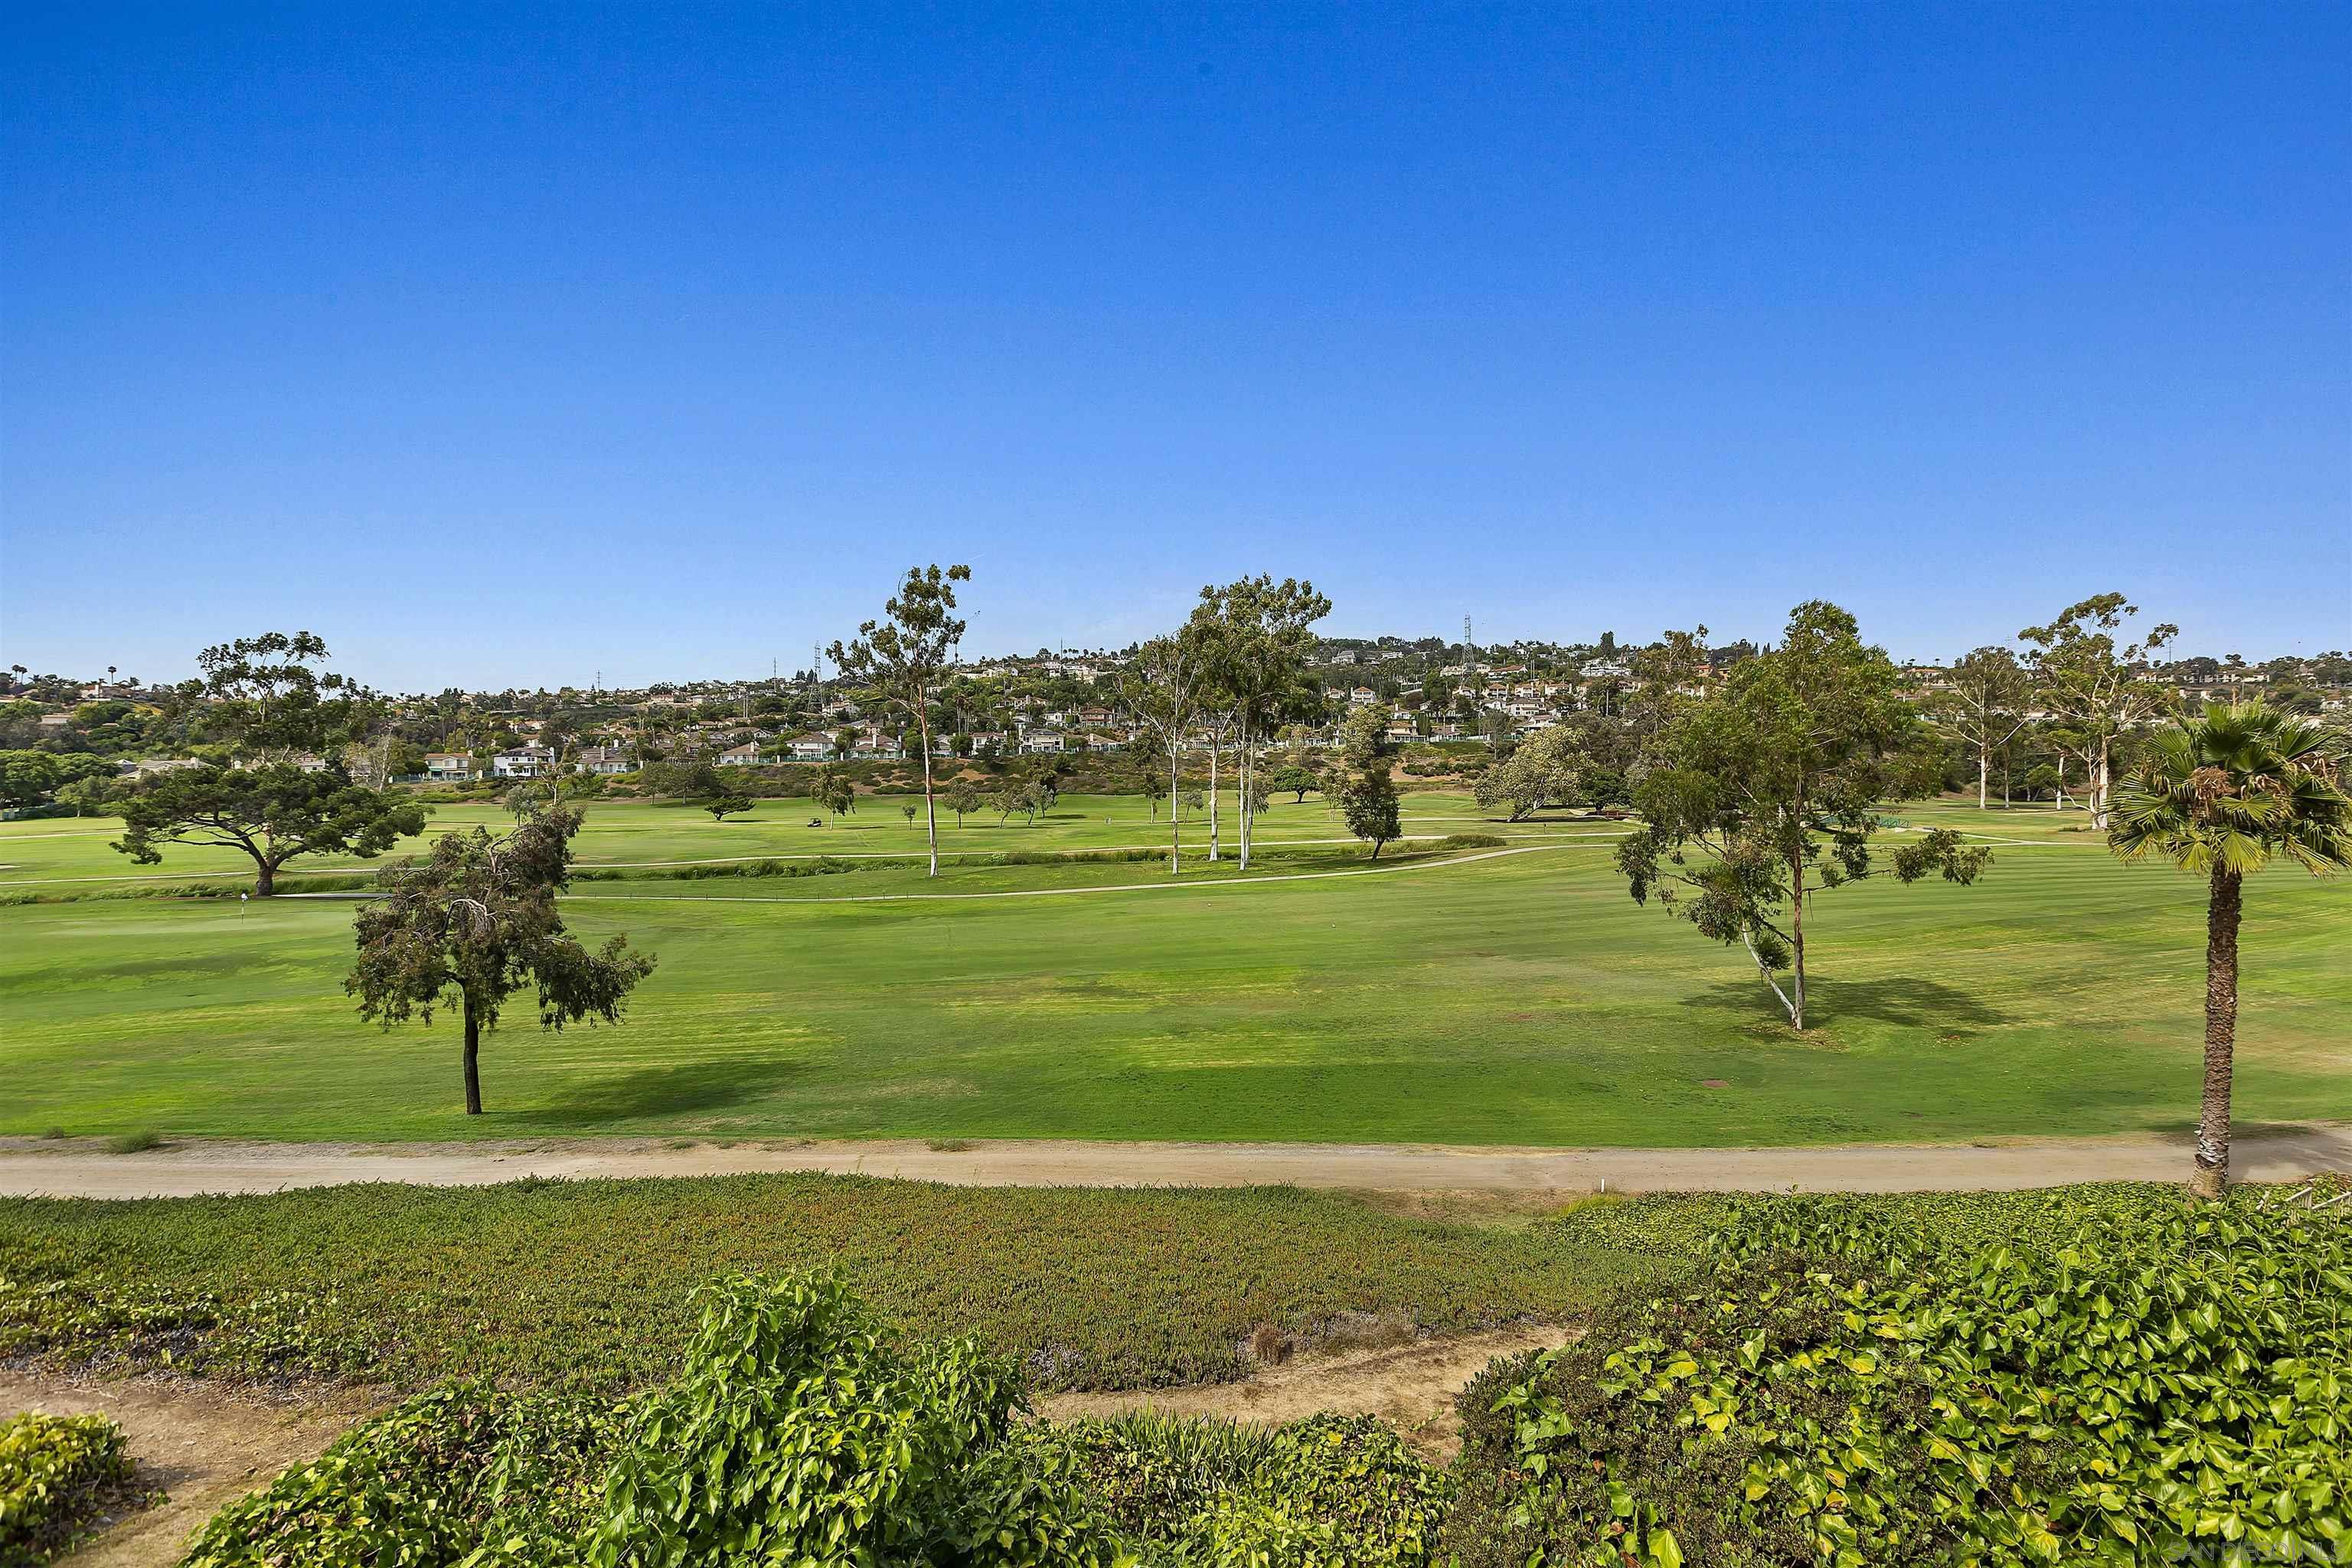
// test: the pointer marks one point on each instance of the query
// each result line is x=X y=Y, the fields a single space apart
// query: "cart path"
x=81 y=1168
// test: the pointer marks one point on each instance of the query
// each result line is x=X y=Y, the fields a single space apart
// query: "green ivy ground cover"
x=585 y=1283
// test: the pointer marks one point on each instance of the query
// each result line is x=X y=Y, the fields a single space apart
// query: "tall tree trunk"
x=2099 y=791
x=1984 y=779
x=1213 y=840
x=1175 y=804
x=2212 y=1172
x=931 y=812
x=1761 y=969
x=264 y=881
x=473 y=1061
x=1246 y=767
x=1797 y=942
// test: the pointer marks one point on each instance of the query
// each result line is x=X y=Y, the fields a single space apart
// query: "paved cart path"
x=80 y=1168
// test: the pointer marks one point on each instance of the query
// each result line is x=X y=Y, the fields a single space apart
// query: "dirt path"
x=200 y=1443
x=81 y=1168
x=1410 y=1387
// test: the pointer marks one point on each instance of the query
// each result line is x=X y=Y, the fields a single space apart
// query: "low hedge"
x=1854 y=1382
x=58 y=1474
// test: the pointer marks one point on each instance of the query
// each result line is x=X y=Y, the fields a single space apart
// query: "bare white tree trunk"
x=1175 y=803
x=1213 y=748
x=1764 y=970
x=1244 y=768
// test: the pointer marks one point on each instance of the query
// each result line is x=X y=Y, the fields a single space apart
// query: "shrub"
x=836 y=1446
x=1913 y=1383
x=1331 y=1491
x=134 y=1143
x=57 y=1474
x=428 y=1482
x=1471 y=841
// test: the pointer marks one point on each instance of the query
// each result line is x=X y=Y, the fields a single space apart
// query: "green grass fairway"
x=1520 y=998
x=70 y=855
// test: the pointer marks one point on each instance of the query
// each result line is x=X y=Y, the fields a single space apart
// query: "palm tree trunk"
x=2212 y=1172
x=473 y=1061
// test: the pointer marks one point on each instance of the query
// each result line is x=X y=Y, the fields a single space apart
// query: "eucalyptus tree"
x=902 y=660
x=1766 y=792
x=474 y=920
x=2221 y=797
x=1160 y=688
x=1262 y=641
x=2086 y=678
x=1988 y=701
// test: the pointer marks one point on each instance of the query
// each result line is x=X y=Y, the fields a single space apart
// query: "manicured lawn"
x=1521 y=999
x=70 y=854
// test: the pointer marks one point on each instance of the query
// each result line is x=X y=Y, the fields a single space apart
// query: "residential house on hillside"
x=449 y=767
x=1036 y=742
x=813 y=747
x=746 y=756
x=605 y=761
x=530 y=761
x=1362 y=697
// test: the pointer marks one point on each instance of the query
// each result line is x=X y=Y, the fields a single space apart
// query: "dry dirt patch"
x=1410 y=1387
x=200 y=1444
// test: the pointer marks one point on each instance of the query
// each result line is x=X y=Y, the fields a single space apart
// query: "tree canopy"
x=1766 y=791
x=474 y=920
x=274 y=814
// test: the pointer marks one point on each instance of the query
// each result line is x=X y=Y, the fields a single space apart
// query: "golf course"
x=1482 y=983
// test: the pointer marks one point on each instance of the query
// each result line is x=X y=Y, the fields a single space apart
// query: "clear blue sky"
x=501 y=344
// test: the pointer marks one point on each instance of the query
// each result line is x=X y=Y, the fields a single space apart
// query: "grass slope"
x=1520 y=999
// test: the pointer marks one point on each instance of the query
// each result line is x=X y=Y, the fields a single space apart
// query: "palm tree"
x=2221 y=797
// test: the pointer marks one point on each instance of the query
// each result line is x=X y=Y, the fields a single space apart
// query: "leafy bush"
x=1471 y=841
x=56 y=1473
x=1331 y=1491
x=796 y=1434
x=427 y=1483
x=1851 y=1386
x=799 y=1435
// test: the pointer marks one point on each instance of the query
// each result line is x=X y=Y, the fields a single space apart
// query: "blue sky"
x=501 y=344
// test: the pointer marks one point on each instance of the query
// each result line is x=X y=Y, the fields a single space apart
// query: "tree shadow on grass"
x=1910 y=1001
x=653 y=1092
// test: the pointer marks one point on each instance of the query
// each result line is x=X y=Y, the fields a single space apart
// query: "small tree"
x=962 y=798
x=840 y=795
x=903 y=659
x=733 y=802
x=1544 y=771
x=1162 y=687
x=473 y=921
x=1986 y=706
x=1368 y=797
x=2218 y=797
x=272 y=814
x=1767 y=789
x=909 y=813
x=1294 y=781
x=2094 y=686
